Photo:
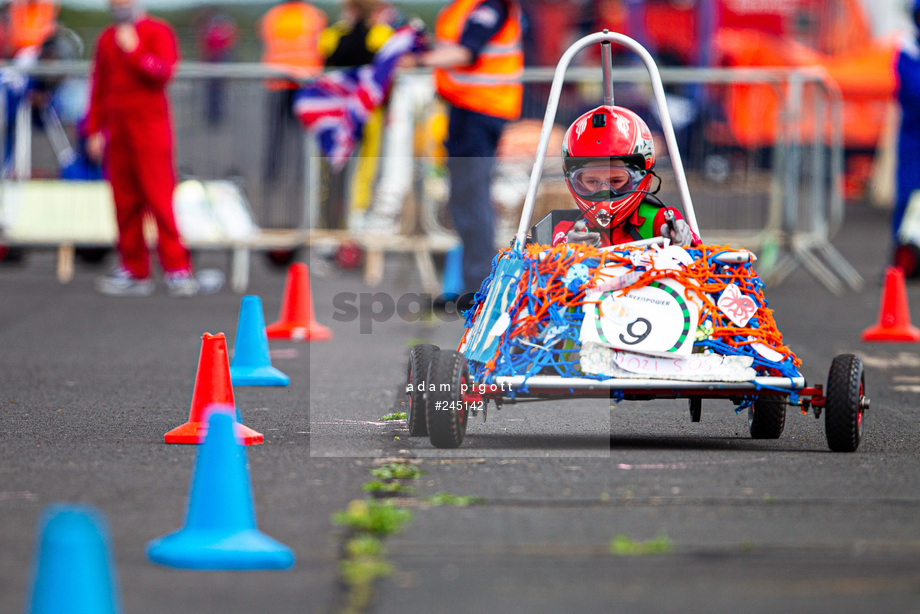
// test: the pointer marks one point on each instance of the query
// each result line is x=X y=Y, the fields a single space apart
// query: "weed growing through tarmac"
x=367 y=521
x=374 y=517
x=361 y=566
x=399 y=415
x=397 y=471
x=445 y=498
x=386 y=487
x=364 y=545
x=363 y=559
x=621 y=545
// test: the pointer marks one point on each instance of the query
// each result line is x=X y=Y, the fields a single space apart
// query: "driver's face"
x=613 y=175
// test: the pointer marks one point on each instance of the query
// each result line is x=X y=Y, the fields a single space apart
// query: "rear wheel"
x=417 y=379
x=767 y=417
x=447 y=413
x=845 y=403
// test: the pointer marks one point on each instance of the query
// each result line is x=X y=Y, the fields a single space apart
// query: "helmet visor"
x=600 y=181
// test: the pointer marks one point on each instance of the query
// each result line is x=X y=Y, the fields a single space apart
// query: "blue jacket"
x=909 y=137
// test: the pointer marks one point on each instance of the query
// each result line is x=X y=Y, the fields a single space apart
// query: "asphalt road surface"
x=89 y=385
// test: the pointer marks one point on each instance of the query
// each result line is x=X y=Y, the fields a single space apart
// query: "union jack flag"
x=336 y=106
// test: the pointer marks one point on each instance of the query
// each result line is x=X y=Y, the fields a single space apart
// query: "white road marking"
x=688 y=465
x=901 y=359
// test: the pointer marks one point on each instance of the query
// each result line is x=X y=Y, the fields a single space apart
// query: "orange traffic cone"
x=296 y=321
x=212 y=385
x=894 y=314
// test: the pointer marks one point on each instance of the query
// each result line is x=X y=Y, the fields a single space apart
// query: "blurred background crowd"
x=242 y=126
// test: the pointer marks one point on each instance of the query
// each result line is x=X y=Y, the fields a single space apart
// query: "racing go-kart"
x=637 y=321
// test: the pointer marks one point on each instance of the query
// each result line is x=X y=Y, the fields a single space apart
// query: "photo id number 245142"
x=459 y=405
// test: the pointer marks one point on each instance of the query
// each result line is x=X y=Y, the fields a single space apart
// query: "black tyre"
x=907 y=257
x=447 y=413
x=696 y=409
x=767 y=418
x=281 y=258
x=92 y=255
x=11 y=255
x=845 y=403
x=417 y=377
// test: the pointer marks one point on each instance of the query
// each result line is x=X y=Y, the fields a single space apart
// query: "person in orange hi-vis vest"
x=31 y=23
x=478 y=61
x=290 y=36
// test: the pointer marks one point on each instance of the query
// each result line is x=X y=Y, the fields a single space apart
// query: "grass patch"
x=398 y=415
x=372 y=517
x=394 y=487
x=363 y=571
x=364 y=545
x=621 y=545
x=397 y=471
x=445 y=498
x=361 y=566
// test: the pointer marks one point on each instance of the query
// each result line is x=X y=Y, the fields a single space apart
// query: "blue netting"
x=546 y=314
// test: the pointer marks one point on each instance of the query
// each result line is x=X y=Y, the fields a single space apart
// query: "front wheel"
x=417 y=380
x=447 y=413
x=767 y=418
x=845 y=403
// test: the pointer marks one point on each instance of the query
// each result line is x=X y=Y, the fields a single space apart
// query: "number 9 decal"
x=636 y=337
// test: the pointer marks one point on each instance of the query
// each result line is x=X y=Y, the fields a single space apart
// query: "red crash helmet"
x=607 y=155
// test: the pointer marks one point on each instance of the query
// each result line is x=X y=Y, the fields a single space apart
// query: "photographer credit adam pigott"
x=464 y=388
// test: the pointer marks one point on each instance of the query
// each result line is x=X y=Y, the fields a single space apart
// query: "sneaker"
x=121 y=282
x=181 y=283
x=210 y=281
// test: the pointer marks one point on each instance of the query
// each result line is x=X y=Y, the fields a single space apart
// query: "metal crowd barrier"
x=778 y=193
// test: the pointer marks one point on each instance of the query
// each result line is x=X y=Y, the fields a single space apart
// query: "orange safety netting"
x=546 y=312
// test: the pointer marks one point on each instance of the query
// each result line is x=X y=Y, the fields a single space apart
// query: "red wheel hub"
x=348 y=256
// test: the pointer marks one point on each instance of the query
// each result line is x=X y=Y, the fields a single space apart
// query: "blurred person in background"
x=353 y=41
x=130 y=130
x=290 y=38
x=363 y=29
x=216 y=42
x=478 y=61
x=908 y=176
x=29 y=24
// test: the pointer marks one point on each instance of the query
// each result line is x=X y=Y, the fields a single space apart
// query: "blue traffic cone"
x=453 y=272
x=220 y=528
x=73 y=570
x=251 y=364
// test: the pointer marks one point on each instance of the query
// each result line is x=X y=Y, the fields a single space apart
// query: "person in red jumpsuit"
x=130 y=131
